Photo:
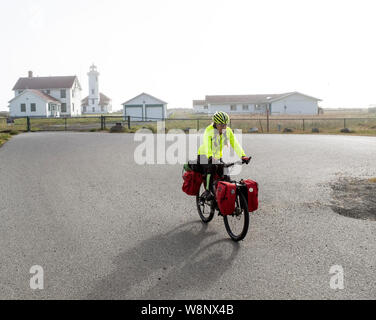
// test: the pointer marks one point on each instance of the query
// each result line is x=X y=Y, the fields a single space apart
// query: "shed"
x=145 y=107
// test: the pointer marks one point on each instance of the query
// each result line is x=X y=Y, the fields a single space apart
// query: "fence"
x=262 y=125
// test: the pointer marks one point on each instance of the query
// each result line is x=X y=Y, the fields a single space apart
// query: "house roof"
x=103 y=100
x=159 y=100
x=40 y=94
x=65 y=82
x=44 y=96
x=199 y=102
x=252 y=98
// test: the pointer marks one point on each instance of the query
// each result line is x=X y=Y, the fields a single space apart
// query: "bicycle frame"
x=240 y=187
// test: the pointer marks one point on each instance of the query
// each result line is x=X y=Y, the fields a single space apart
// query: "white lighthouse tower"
x=94 y=97
x=95 y=102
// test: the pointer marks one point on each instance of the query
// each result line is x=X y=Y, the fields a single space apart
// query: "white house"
x=34 y=103
x=285 y=103
x=46 y=97
x=145 y=107
x=96 y=102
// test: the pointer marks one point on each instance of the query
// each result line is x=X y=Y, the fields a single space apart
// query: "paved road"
x=105 y=228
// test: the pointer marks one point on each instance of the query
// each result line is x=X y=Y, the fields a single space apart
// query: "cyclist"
x=209 y=157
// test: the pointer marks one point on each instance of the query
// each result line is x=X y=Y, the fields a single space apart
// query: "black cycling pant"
x=210 y=170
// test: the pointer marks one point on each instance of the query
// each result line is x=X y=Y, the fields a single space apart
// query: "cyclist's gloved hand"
x=246 y=159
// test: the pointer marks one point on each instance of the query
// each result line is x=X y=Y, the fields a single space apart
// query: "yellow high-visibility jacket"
x=213 y=142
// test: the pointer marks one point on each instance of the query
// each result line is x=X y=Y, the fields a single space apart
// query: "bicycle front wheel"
x=237 y=223
x=205 y=208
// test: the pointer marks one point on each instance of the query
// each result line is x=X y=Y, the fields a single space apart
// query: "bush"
x=151 y=128
x=11 y=132
x=118 y=129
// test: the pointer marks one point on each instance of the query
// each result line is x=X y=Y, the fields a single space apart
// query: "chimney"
x=30 y=74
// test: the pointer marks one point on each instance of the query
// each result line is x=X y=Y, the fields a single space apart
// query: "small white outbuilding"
x=145 y=107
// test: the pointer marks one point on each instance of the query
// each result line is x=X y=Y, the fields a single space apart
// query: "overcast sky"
x=183 y=50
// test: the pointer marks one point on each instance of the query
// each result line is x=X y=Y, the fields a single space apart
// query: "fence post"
x=129 y=122
x=303 y=126
x=65 y=123
x=198 y=125
x=101 y=122
x=104 y=122
x=267 y=119
x=28 y=124
x=344 y=123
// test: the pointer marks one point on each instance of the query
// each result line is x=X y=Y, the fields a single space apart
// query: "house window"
x=49 y=107
x=73 y=93
x=260 y=107
x=33 y=107
x=92 y=91
x=20 y=91
x=93 y=109
x=92 y=101
x=205 y=107
x=73 y=107
x=63 y=93
x=233 y=107
x=84 y=109
x=102 y=108
x=245 y=107
x=23 y=107
x=48 y=91
x=63 y=107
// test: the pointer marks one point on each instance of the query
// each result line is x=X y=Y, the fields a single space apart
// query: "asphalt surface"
x=103 y=227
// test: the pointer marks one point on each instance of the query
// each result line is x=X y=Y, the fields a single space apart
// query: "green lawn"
x=4 y=137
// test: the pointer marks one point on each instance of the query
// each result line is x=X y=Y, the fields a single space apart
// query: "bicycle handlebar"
x=227 y=165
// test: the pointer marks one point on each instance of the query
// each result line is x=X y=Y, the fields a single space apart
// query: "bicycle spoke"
x=237 y=223
x=204 y=208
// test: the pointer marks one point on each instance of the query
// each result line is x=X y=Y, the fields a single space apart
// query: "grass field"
x=359 y=123
x=4 y=137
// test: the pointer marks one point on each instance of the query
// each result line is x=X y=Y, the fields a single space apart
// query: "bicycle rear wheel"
x=205 y=208
x=237 y=223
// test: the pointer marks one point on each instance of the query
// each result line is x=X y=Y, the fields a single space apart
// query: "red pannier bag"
x=192 y=182
x=252 y=190
x=226 y=197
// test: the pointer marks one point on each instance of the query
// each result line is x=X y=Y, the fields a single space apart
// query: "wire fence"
x=247 y=125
